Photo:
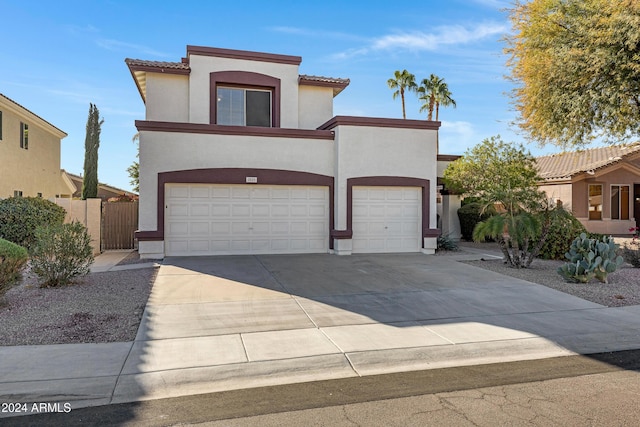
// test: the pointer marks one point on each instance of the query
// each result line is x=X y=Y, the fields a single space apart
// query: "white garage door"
x=212 y=219
x=387 y=219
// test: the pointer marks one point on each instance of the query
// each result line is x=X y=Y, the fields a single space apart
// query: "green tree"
x=91 y=145
x=134 y=169
x=434 y=92
x=576 y=66
x=504 y=176
x=402 y=82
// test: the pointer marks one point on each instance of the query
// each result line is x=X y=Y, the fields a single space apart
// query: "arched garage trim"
x=392 y=181
x=234 y=176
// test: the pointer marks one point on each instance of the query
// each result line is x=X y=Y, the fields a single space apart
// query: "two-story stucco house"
x=29 y=154
x=241 y=154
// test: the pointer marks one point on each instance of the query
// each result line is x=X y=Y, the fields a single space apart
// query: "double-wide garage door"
x=221 y=219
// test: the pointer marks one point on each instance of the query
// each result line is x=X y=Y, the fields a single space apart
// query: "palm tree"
x=403 y=81
x=434 y=92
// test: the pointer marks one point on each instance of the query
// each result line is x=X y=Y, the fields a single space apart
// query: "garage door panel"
x=386 y=219
x=199 y=192
x=243 y=219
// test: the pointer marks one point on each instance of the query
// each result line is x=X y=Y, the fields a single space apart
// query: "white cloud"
x=456 y=137
x=119 y=46
x=441 y=37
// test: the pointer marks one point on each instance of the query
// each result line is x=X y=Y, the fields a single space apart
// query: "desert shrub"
x=20 y=216
x=61 y=253
x=469 y=215
x=446 y=243
x=563 y=230
x=12 y=260
x=631 y=251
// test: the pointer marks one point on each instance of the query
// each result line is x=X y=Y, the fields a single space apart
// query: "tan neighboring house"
x=29 y=154
x=241 y=154
x=601 y=186
x=105 y=191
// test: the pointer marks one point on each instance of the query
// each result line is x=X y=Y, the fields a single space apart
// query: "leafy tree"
x=91 y=145
x=402 y=82
x=576 y=65
x=504 y=176
x=134 y=169
x=434 y=92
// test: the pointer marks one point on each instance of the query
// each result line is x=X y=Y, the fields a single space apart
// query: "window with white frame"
x=620 y=201
x=243 y=107
x=595 y=201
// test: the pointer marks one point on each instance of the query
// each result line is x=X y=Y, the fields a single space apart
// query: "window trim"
x=244 y=80
x=244 y=99
x=589 y=202
x=629 y=198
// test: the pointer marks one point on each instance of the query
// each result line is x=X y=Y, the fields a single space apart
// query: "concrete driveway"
x=220 y=323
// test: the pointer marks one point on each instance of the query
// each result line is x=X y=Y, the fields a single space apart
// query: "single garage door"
x=212 y=219
x=387 y=219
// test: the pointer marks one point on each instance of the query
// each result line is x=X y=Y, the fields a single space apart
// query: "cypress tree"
x=91 y=145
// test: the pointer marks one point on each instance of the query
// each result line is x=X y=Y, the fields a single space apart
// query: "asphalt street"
x=599 y=390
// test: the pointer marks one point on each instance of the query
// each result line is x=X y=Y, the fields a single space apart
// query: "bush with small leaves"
x=61 y=253
x=631 y=251
x=12 y=260
x=470 y=215
x=563 y=229
x=20 y=216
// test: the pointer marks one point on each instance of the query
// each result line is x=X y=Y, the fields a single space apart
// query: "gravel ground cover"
x=100 y=307
x=623 y=288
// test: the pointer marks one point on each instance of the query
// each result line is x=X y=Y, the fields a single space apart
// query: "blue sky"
x=57 y=57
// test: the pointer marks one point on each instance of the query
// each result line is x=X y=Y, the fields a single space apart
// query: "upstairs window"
x=243 y=107
x=24 y=136
x=17 y=193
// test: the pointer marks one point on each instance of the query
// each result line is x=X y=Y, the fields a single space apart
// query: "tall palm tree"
x=434 y=92
x=402 y=81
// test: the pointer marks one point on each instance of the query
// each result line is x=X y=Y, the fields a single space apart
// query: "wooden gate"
x=119 y=222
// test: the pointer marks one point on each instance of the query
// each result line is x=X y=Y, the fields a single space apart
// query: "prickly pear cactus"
x=610 y=261
x=590 y=258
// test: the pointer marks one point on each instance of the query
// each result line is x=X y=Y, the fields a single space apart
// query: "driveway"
x=219 y=323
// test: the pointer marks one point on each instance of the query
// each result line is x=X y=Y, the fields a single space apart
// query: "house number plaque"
x=251 y=180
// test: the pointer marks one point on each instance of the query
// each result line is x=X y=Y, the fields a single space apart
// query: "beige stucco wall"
x=617 y=175
x=87 y=212
x=37 y=169
x=315 y=106
x=165 y=151
x=199 y=85
x=362 y=151
x=167 y=97
x=561 y=192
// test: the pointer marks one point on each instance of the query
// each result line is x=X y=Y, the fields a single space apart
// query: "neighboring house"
x=105 y=191
x=240 y=154
x=29 y=154
x=601 y=186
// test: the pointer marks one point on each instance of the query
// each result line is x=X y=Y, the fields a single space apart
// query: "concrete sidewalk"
x=223 y=323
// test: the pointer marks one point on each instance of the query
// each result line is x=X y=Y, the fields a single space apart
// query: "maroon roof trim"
x=145 y=125
x=243 y=54
x=379 y=122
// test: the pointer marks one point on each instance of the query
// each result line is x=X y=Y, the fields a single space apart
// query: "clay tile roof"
x=336 y=83
x=567 y=164
x=160 y=65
